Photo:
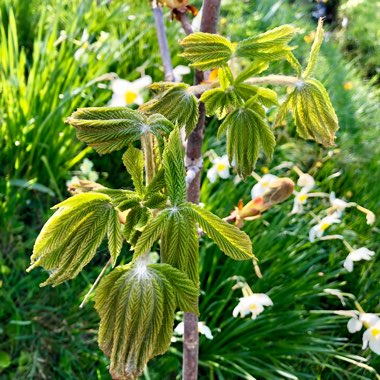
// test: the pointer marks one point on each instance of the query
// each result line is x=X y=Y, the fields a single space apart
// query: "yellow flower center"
x=130 y=97
x=220 y=167
x=348 y=86
x=302 y=198
x=265 y=169
x=265 y=184
x=325 y=226
x=375 y=332
x=252 y=307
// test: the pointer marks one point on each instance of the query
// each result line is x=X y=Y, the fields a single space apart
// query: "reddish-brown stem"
x=209 y=24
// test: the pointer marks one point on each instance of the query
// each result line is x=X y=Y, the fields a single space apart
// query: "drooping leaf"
x=70 y=238
x=282 y=111
x=185 y=291
x=136 y=305
x=270 y=46
x=232 y=241
x=174 y=166
x=313 y=113
x=246 y=132
x=318 y=39
x=290 y=57
x=206 y=51
x=225 y=76
x=133 y=160
x=176 y=104
x=115 y=236
x=135 y=222
x=107 y=129
x=157 y=183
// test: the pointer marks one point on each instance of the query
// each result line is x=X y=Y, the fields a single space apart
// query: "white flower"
x=253 y=303
x=362 y=253
x=126 y=93
x=93 y=176
x=370 y=217
x=179 y=71
x=322 y=226
x=220 y=167
x=84 y=44
x=355 y=323
x=306 y=181
x=202 y=329
x=299 y=200
x=72 y=181
x=262 y=185
x=86 y=166
x=371 y=338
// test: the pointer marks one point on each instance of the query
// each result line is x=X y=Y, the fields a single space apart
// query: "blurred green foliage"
x=43 y=333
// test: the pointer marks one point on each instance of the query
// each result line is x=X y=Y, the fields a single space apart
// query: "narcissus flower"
x=306 y=181
x=220 y=168
x=371 y=338
x=179 y=71
x=126 y=93
x=253 y=303
x=355 y=323
x=86 y=166
x=359 y=254
x=263 y=185
x=318 y=230
x=202 y=329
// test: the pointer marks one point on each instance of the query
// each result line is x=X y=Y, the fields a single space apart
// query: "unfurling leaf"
x=133 y=160
x=174 y=166
x=135 y=222
x=318 y=39
x=313 y=112
x=270 y=46
x=70 y=238
x=232 y=241
x=176 y=104
x=246 y=132
x=206 y=51
x=219 y=101
x=107 y=129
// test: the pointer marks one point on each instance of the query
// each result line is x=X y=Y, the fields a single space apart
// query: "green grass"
x=45 y=332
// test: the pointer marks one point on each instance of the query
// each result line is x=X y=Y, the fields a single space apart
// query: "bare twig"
x=87 y=296
x=162 y=41
x=209 y=24
x=184 y=20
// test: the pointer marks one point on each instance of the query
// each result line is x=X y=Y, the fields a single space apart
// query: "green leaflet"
x=313 y=112
x=115 y=236
x=136 y=306
x=314 y=50
x=253 y=69
x=268 y=46
x=294 y=63
x=232 y=241
x=135 y=222
x=179 y=244
x=177 y=104
x=206 y=51
x=246 y=132
x=107 y=129
x=175 y=173
x=133 y=160
x=70 y=238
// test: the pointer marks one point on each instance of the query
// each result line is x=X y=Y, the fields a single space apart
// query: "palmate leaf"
x=176 y=104
x=270 y=46
x=70 y=238
x=107 y=129
x=220 y=102
x=246 y=132
x=206 y=51
x=232 y=241
x=175 y=173
x=313 y=112
x=136 y=305
x=135 y=222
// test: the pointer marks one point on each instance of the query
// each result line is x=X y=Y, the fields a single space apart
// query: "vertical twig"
x=209 y=24
x=162 y=41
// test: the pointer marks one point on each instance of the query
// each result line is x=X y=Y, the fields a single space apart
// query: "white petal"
x=118 y=101
x=205 y=330
x=257 y=191
x=312 y=234
x=93 y=176
x=236 y=311
x=224 y=174
x=120 y=86
x=139 y=100
x=370 y=217
x=348 y=264
x=212 y=175
x=374 y=345
x=306 y=181
x=181 y=70
x=142 y=82
x=180 y=329
x=354 y=325
x=262 y=299
x=268 y=178
x=369 y=318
